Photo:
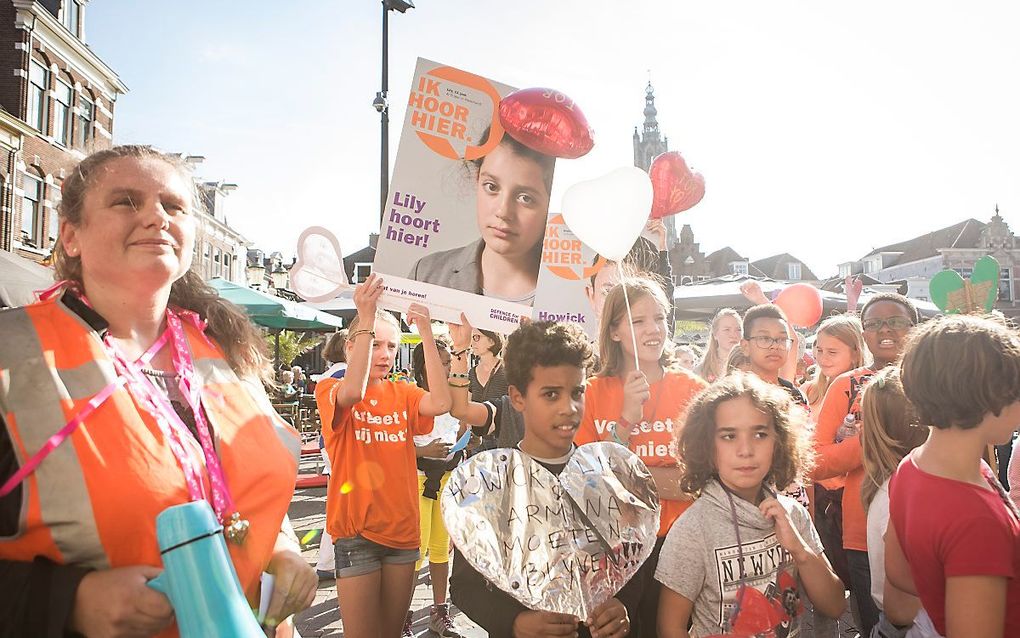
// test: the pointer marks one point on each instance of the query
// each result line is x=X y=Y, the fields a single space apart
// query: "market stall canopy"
x=20 y=278
x=274 y=312
x=700 y=301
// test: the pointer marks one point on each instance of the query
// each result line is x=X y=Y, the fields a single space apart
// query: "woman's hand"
x=118 y=603
x=366 y=299
x=658 y=228
x=461 y=334
x=294 y=586
x=786 y=533
x=635 y=392
x=419 y=316
x=543 y=624
x=609 y=620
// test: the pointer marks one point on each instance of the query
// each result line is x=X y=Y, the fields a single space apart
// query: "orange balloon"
x=802 y=304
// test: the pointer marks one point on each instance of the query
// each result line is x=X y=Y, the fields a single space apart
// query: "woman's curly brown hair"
x=694 y=443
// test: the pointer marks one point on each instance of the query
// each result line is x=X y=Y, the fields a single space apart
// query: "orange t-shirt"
x=662 y=414
x=840 y=464
x=373 y=488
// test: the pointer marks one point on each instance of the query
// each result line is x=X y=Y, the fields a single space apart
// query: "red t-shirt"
x=373 y=488
x=950 y=528
x=661 y=415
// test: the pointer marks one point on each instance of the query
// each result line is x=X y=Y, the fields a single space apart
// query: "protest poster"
x=443 y=241
x=564 y=543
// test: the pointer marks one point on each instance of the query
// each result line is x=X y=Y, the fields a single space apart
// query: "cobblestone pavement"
x=322 y=619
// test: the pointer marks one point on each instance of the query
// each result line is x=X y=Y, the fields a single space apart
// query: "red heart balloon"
x=546 y=121
x=802 y=304
x=676 y=187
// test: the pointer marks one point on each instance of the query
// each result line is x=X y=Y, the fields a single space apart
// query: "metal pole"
x=384 y=167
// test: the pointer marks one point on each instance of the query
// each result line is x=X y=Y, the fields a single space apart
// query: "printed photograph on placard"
x=466 y=215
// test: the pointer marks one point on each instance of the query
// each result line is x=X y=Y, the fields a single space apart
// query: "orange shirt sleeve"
x=586 y=432
x=326 y=392
x=835 y=459
x=417 y=424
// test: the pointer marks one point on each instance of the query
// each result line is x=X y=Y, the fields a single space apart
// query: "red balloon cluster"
x=676 y=187
x=546 y=121
x=802 y=304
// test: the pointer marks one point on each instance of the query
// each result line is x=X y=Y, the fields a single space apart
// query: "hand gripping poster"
x=468 y=205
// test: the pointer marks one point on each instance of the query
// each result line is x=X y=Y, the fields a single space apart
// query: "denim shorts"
x=357 y=555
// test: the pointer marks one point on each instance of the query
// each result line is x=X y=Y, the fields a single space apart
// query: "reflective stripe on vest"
x=32 y=392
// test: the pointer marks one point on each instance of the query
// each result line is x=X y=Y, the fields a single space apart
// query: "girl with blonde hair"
x=839 y=347
x=724 y=333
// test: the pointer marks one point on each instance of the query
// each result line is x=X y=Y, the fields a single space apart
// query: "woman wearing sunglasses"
x=886 y=318
x=487 y=380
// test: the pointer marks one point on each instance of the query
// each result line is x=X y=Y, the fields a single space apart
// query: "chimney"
x=373 y=240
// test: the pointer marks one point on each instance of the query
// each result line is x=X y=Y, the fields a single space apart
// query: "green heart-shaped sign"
x=950 y=292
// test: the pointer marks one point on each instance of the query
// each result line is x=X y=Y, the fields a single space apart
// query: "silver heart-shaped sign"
x=562 y=543
x=318 y=274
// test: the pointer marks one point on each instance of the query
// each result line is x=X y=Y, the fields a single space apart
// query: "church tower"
x=648 y=145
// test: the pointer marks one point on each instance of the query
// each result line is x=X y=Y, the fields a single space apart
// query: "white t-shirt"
x=878 y=521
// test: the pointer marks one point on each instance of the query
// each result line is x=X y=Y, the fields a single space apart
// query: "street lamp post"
x=382 y=105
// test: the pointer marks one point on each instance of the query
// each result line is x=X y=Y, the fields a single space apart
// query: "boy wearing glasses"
x=886 y=318
x=766 y=342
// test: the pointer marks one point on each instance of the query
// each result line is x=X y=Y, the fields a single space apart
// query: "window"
x=793 y=271
x=71 y=10
x=86 y=112
x=31 y=209
x=38 y=83
x=361 y=272
x=738 y=267
x=226 y=266
x=53 y=225
x=62 y=113
x=1005 y=285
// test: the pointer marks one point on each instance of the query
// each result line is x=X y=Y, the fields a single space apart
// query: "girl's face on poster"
x=745 y=441
x=513 y=203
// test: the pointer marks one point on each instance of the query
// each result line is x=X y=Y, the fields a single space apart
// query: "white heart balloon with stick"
x=608 y=214
x=318 y=274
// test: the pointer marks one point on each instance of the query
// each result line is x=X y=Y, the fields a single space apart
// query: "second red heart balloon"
x=676 y=187
x=546 y=121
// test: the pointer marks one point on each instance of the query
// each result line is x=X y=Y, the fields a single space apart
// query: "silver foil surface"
x=563 y=544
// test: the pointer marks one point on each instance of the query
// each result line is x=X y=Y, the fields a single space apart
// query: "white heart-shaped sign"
x=562 y=543
x=373 y=402
x=318 y=274
x=608 y=213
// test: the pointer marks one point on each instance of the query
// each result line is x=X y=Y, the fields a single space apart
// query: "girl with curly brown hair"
x=737 y=559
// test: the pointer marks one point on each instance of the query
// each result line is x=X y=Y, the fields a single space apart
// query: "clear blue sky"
x=823 y=129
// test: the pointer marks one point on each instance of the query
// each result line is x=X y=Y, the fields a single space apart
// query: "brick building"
x=58 y=99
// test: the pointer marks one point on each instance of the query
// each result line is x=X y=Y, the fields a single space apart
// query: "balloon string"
x=630 y=319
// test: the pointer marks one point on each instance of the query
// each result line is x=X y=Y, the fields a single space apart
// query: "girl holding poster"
x=639 y=407
x=513 y=185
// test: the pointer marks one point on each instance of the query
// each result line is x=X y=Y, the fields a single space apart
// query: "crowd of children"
x=865 y=474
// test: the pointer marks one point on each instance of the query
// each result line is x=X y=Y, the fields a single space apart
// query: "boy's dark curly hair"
x=694 y=443
x=547 y=344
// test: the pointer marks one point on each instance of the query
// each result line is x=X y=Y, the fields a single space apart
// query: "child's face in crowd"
x=649 y=329
x=745 y=441
x=886 y=341
x=605 y=279
x=832 y=355
x=685 y=359
x=552 y=408
x=727 y=334
x=513 y=203
x=768 y=346
x=384 y=350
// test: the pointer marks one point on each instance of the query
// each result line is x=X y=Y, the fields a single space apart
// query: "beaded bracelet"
x=459 y=353
x=356 y=333
x=459 y=375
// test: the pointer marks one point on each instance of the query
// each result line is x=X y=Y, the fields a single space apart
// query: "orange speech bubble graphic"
x=438 y=121
x=562 y=256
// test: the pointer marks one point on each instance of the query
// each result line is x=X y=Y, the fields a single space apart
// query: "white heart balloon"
x=318 y=274
x=608 y=213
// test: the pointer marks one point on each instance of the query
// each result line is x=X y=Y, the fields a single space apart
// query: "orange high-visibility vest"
x=93 y=501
